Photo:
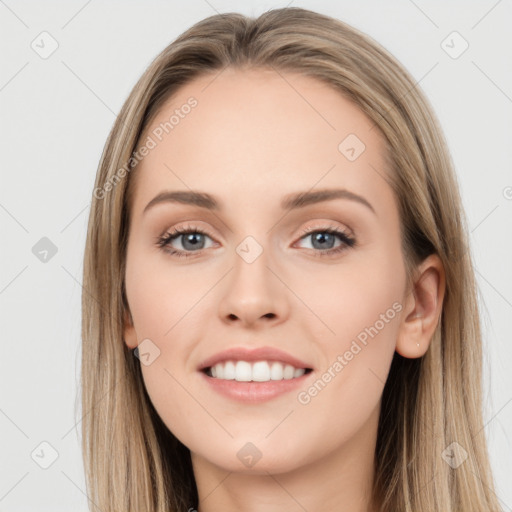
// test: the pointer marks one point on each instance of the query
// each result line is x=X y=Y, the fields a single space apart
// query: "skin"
x=251 y=140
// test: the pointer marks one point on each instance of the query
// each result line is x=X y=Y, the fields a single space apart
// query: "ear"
x=423 y=307
x=129 y=334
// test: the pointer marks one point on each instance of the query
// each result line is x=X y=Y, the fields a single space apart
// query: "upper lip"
x=253 y=354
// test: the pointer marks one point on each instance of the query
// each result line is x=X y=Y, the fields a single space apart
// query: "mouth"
x=254 y=371
x=254 y=375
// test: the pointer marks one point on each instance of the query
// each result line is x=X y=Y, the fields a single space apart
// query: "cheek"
x=364 y=313
x=357 y=300
x=159 y=298
x=161 y=304
x=361 y=303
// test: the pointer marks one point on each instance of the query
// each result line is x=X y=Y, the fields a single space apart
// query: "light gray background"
x=55 y=117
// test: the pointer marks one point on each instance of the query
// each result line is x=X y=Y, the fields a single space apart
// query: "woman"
x=226 y=366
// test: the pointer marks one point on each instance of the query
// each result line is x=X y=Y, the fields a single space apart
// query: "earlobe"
x=423 y=309
x=129 y=334
x=411 y=343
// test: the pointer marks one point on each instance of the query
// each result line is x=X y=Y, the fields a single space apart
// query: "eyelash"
x=164 y=240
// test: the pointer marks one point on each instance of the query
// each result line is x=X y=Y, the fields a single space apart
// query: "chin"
x=259 y=458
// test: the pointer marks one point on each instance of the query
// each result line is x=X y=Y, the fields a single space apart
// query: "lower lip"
x=254 y=391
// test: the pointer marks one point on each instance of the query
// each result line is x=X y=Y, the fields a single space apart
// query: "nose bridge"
x=252 y=290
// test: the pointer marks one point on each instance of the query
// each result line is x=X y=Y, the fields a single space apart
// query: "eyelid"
x=327 y=225
x=320 y=225
x=346 y=236
x=176 y=231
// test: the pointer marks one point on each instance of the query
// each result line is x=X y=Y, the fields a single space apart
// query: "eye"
x=324 y=239
x=190 y=238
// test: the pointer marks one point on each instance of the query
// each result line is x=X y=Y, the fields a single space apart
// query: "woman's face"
x=254 y=141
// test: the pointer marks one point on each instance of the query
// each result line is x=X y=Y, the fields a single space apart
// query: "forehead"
x=254 y=134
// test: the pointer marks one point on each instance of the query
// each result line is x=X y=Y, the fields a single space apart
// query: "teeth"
x=229 y=370
x=242 y=371
x=276 y=371
x=259 y=371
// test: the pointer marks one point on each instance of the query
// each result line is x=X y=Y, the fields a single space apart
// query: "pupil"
x=320 y=237
x=191 y=238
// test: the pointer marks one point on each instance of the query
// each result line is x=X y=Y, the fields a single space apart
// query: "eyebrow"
x=290 y=202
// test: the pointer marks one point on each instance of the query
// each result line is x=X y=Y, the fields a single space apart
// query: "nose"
x=253 y=294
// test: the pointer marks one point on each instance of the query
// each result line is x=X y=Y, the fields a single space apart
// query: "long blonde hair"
x=132 y=461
